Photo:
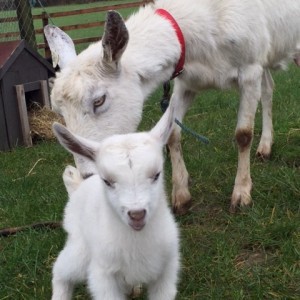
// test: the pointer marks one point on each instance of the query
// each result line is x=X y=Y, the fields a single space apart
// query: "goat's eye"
x=99 y=102
x=156 y=176
x=108 y=183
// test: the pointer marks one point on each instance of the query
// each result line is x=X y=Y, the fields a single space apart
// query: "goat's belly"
x=280 y=60
x=199 y=76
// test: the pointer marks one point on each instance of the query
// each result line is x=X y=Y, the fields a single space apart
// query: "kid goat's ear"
x=115 y=37
x=162 y=130
x=74 y=143
x=61 y=46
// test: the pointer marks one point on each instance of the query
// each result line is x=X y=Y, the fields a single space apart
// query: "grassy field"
x=254 y=254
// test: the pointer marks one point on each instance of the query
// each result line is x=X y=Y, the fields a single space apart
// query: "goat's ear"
x=61 y=46
x=115 y=38
x=162 y=130
x=74 y=143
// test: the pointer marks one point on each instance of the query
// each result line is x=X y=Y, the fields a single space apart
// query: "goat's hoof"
x=181 y=201
x=239 y=200
x=72 y=179
x=182 y=208
x=263 y=151
x=263 y=156
x=232 y=208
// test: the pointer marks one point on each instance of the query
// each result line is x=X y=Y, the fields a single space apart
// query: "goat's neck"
x=153 y=50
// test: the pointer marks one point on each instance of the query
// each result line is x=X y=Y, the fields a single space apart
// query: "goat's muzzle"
x=137 y=219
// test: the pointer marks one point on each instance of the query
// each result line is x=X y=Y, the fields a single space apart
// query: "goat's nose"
x=137 y=215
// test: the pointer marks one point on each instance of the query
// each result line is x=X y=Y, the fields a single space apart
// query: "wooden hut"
x=23 y=78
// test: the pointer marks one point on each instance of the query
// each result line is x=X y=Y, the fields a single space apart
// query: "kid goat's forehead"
x=137 y=146
x=128 y=142
x=138 y=152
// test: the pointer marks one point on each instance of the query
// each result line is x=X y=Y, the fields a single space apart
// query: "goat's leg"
x=165 y=286
x=69 y=268
x=181 y=197
x=72 y=179
x=266 y=141
x=250 y=92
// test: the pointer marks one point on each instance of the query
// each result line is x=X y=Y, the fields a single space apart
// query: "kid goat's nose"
x=137 y=215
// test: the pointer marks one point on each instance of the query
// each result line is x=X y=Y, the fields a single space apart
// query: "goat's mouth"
x=137 y=219
x=137 y=224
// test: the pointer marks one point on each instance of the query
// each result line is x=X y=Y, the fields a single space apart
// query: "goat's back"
x=242 y=32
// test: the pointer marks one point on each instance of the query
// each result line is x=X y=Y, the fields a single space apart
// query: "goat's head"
x=95 y=94
x=130 y=167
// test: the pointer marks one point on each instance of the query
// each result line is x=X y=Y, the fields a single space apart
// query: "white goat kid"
x=120 y=229
x=229 y=43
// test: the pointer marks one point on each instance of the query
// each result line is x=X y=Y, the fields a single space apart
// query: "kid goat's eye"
x=156 y=176
x=99 y=102
x=108 y=183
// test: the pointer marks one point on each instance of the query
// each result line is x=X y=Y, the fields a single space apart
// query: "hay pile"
x=40 y=122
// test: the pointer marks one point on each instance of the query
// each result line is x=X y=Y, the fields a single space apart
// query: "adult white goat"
x=120 y=229
x=228 y=43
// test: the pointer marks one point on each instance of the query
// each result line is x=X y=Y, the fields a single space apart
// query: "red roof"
x=6 y=51
x=9 y=51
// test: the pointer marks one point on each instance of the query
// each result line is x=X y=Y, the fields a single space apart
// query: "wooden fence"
x=45 y=17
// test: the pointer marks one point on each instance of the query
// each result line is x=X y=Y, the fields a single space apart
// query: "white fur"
x=105 y=246
x=229 y=43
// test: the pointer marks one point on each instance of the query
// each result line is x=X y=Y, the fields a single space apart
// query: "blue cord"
x=164 y=103
x=199 y=137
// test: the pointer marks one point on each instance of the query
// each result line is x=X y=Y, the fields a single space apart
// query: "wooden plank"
x=91 y=10
x=8 y=20
x=10 y=107
x=23 y=115
x=44 y=16
x=79 y=11
x=32 y=86
x=77 y=41
x=86 y=40
x=4 y=142
x=41 y=46
x=9 y=34
x=76 y=26
x=45 y=93
x=42 y=87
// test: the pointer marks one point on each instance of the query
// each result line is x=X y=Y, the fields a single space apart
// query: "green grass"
x=254 y=254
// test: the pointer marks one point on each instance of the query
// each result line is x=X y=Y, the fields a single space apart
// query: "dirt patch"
x=249 y=258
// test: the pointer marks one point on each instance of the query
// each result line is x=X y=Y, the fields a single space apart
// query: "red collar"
x=169 y=17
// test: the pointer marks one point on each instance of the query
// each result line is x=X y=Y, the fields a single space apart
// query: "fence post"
x=45 y=21
x=25 y=22
x=145 y=2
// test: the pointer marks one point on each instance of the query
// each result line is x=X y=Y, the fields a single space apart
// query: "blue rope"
x=199 y=137
x=164 y=103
